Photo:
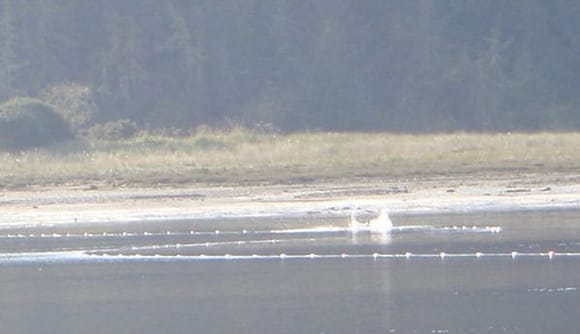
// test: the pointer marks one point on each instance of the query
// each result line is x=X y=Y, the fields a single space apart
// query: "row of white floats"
x=550 y=255
x=113 y=235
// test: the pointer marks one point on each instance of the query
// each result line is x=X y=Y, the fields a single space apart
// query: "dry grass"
x=241 y=156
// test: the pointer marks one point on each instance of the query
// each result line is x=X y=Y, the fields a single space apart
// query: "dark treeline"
x=301 y=64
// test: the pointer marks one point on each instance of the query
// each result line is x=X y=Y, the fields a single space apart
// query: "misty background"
x=293 y=65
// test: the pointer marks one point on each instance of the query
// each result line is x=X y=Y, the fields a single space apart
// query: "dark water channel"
x=475 y=273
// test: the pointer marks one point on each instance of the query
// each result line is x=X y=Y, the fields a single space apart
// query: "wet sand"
x=423 y=195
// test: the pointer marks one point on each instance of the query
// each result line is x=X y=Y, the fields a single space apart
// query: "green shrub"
x=115 y=130
x=27 y=123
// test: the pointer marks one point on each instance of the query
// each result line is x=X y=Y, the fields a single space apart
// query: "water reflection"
x=361 y=238
x=288 y=276
x=257 y=240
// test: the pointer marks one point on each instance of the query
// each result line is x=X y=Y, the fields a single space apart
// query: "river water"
x=516 y=272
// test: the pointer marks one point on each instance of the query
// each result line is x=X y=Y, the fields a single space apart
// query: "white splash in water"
x=381 y=224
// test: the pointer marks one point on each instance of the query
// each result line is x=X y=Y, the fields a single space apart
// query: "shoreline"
x=46 y=207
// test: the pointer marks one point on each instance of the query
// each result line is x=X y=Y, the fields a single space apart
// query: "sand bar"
x=51 y=206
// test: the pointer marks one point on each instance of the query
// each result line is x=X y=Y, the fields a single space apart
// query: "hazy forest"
x=296 y=65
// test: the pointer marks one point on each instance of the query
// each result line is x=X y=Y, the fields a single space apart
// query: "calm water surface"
x=477 y=273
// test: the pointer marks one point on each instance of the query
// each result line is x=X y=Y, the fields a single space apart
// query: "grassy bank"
x=243 y=157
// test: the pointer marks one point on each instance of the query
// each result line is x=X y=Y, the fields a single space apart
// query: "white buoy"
x=551 y=254
x=514 y=254
x=408 y=255
x=442 y=255
x=478 y=255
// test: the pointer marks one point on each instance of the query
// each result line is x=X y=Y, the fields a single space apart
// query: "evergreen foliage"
x=75 y=103
x=416 y=65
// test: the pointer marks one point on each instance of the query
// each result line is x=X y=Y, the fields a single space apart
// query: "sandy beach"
x=425 y=195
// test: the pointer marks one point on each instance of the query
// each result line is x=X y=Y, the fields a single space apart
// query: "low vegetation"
x=27 y=122
x=246 y=157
